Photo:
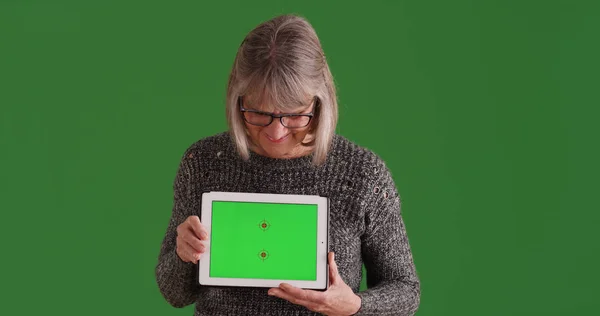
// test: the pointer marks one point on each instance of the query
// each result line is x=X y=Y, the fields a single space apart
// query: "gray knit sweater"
x=365 y=226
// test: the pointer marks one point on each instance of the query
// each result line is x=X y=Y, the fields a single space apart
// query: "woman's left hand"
x=338 y=300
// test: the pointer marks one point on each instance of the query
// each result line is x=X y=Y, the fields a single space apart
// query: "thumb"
x=333 y=270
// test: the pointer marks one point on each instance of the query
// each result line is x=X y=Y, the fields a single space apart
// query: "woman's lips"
x=277 y=141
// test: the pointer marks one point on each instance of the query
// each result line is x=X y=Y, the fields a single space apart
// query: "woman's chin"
x=274 y=149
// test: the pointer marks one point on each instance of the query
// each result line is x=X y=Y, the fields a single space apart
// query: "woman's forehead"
x=266 y=104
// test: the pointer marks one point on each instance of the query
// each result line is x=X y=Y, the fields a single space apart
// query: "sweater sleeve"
x=177 y=279
x=393 y=287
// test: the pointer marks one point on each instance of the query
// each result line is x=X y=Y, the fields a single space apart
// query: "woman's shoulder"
x=348 y=152
x=366 y=169
x=210 y=145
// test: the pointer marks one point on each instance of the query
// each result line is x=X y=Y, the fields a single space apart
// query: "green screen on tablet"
x=263 y=241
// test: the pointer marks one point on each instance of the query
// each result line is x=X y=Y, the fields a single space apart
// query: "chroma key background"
x=485 y=111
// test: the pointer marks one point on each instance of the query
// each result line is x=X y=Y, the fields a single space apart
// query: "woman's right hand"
x=190 y=237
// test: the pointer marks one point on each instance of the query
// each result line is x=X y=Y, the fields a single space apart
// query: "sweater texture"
x=366 y=226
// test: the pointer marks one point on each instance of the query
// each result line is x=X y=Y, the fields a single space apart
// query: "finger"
x=278 y=292
x=333 y=270
x=185 y=256
x=196 y=226
x=313 y=300
x=187 y=252
x=183 y=250
x=304 y=295
x=191 y=239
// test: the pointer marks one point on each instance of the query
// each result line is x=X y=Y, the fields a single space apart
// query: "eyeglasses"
x=260 y=118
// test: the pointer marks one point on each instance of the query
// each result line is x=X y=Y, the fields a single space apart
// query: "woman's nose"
x=276 y=129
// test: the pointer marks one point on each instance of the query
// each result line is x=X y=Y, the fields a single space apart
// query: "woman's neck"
x=298 y=151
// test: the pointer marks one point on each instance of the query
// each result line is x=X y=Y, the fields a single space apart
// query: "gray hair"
x=281 y=63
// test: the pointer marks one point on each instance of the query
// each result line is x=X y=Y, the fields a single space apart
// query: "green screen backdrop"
x=485 y=111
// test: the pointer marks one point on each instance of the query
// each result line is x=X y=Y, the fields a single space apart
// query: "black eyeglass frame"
x=310 y=115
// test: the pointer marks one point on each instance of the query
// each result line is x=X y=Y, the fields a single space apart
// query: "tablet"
x=263 y=240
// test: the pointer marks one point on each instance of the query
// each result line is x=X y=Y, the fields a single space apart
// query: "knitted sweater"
x=365 y=226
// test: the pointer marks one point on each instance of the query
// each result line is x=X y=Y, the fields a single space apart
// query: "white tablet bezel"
x=322 y=280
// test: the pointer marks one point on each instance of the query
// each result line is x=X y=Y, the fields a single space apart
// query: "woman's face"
x=276 y=140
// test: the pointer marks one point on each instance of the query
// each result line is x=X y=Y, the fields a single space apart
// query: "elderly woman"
x=282 y=116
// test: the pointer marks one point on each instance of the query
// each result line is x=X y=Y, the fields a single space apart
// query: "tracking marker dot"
x=263 y=255
x=264 y=225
